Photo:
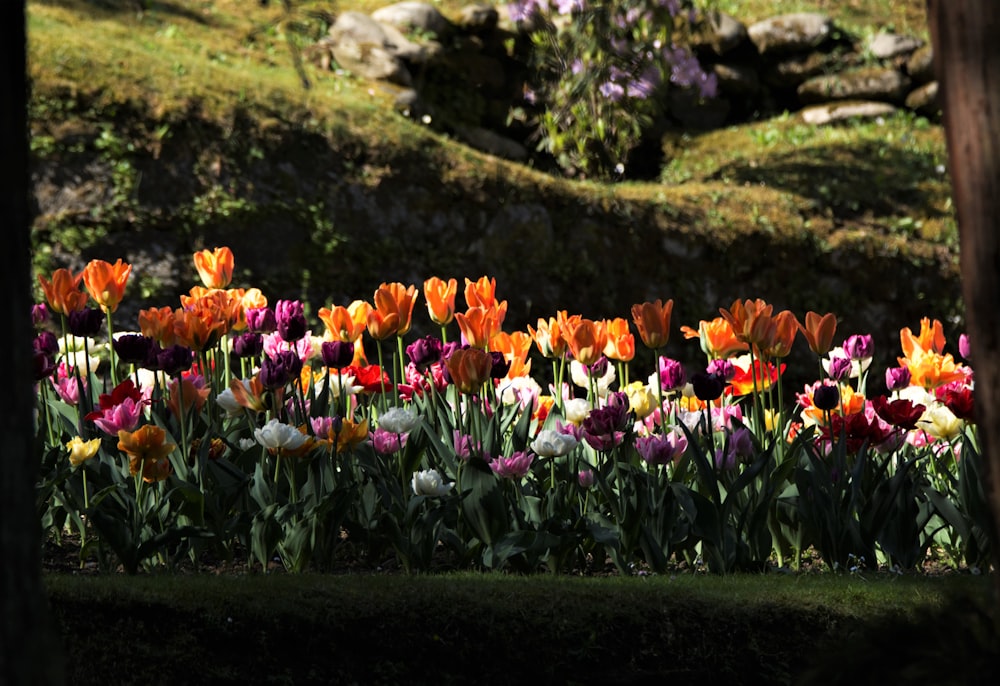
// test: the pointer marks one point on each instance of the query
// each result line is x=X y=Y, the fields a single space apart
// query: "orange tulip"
x=402 y=299
x=743 y=316
x=930 y=369
x=653 y=321
x=197 y=331
x=351 y=434
x=818 y=331
x=249 y=395
x=621 y=342
x=345 y=323
x=479 y=325
x=548 y=338
x=382 y=323
x=586 y=340
x=145 y=444
x=440 y=297
x=216 y=305
x=931 y=338
x=717 y=339
x=481 y=293
x=469 y=368
x=158 y=324
x=106 y=282
x=186 y=396
x=215 y=267
x=515 y=348
x=63 y=293
x=786 y=325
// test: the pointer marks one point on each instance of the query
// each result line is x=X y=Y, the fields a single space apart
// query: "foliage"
x=225 y=426
x=600 y=74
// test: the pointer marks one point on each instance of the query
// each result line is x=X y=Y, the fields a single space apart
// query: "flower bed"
x=226 y=426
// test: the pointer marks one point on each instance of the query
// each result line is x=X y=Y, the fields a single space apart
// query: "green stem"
x=111 y=351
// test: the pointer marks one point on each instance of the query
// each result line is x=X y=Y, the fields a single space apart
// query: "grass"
x=123 y=88
x=497 y=628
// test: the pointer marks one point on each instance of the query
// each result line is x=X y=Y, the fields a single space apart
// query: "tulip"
x=479 y=325
x=818 y=331
x=716 y=338
x=586 y=340
x=106 y=282
x=80 y=450
x=440 y=297
x=345 y=323
x=859 y=347
x=337 y=354
x=548 y=337
x=275 y=436
x=398 y=420
x=428 y=482
x=261 y=320
x=402 y=300
x=481 y=293
x=469 y=369
x=290 y=319
x=133 y=348
x=63 y=292
x=897 y=378
x=826 y=397
x=652 y=319
x=158 y=324
x=145 y=444
x=930 y=339
x=661 y=449
x=551 y=443
x=215 y=267
x=621 y=342
x=514 y=467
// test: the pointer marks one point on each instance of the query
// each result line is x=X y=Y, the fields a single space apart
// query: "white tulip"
x=398 y=420
x=275 y=435
x=428 y=482
x=551 y=443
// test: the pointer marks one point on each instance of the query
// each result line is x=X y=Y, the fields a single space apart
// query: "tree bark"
x=26 y=638
x=967 y=59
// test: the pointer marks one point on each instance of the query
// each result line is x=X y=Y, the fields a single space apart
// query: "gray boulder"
x=866 y=83
x=886 y=45
x=832 y=113
x=787 y=33
x=412 y=15
x=725 y=33
x=920 y=66
x=372 y=50
x=924 y=100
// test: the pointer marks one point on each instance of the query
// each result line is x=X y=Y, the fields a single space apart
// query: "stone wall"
x=464 y=73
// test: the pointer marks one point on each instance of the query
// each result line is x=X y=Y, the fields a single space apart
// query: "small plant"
x=601 y=72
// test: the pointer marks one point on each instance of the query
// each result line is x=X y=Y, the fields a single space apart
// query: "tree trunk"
x=26 y=639
x=967 y=60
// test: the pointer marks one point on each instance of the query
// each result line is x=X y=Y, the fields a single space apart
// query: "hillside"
x=187 y=126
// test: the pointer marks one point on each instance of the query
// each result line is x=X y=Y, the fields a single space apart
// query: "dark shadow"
x=848 y=181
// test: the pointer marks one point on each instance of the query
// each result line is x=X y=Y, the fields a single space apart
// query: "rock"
x=857 y=84
x=842 y=111
x=726 y=33
x=478 y=18
x=788 y=33
x=924 y=100
x=372 y=50
x=491 y=142
x=736 y=79
x=421 y=17
x=920 y=66
x=886 y=46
